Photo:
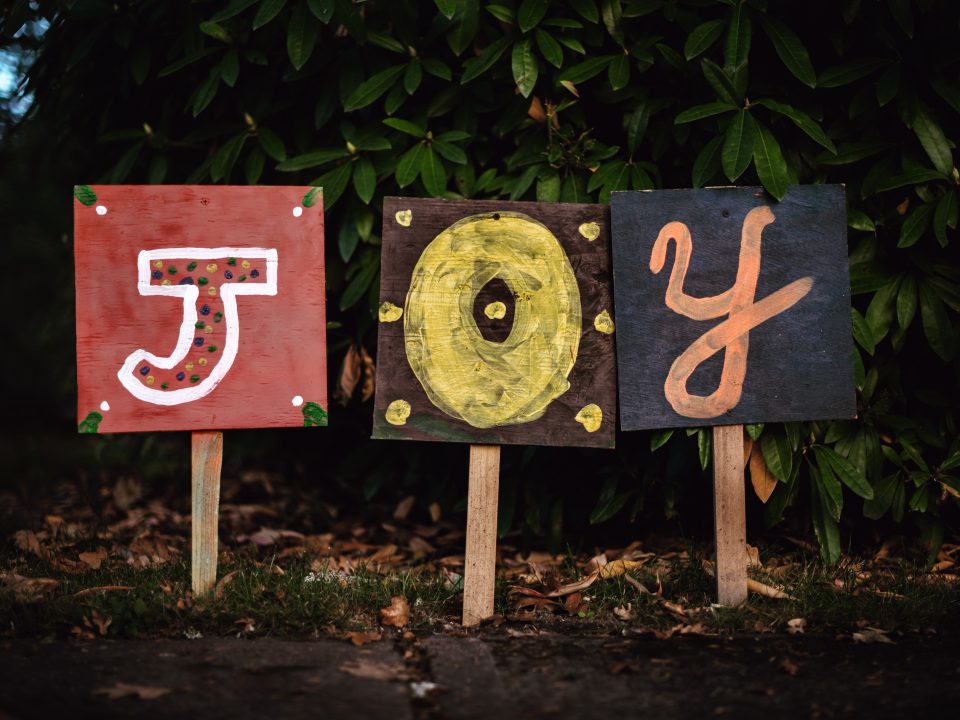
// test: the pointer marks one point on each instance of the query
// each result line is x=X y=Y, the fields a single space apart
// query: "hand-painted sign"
x=199 y=307
x=747 y=320
x=496 y=323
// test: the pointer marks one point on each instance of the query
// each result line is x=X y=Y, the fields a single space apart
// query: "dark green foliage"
x=569 y=101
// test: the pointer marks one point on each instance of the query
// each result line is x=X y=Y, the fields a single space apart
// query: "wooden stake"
x=729 y=514
x=480 y=565
x=207 y=460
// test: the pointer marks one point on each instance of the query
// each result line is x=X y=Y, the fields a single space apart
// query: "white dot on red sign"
x=297 y=400
x=105 y=406
x=297 y=211
x=101 y=209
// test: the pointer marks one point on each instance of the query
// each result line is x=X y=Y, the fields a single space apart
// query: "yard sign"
x=732 y=309
x=200 y=308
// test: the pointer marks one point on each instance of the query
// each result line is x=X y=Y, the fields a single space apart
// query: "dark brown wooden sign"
x=496 y=323
x=732 y=308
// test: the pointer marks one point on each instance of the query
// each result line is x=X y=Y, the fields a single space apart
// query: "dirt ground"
x=507 y=672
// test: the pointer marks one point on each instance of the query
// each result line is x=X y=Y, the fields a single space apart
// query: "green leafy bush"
x=569 y=101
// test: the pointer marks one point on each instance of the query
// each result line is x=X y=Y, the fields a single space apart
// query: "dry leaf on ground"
x=28 y=590
x=796 y=626
x=624 y=612
x=370 y=670
x=872 y=635
x=362 y=638
x=94 y=559
x=141 y=692
x=397 y=613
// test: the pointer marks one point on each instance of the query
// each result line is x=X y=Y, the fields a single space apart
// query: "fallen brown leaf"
x=362 y=638
x=764 y=482
x=435 y=512
x=28 y=590
x=796 y=626
x=789 y=666
x=397 y=613
x=370 y=670
x=223 y=582
x=102 y=588
x=141 y=692
x=872 y=635
x=94 y=559
x=404 y=507
x=624 y=612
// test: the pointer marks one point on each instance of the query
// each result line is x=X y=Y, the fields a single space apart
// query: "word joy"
x=737 y=303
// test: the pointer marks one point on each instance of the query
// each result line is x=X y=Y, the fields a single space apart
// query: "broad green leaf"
x=911 y=177
x=549 y=48
x=449 y=151
x=206 y=92
x=372 y=88
x=948 y=91
x=234 y=8
x=322 y=9
x=301 y=36
x=831 y=492
x=85 y=194
x=582 y=72
x=737 y=46
x=703 y=447
x=768 y=159
x=702 y=38
x=637 y=123
x=409 y=166
x=945 y=216
x=432 y=172
x=412 y=76
x=659 y=438
x=883 y=493
x=587 y=10
x=862 y=332
x=311 y=159
x=230 y=67
x=936 y=322
x=754 y=430
x=186 y=61
x=707 y=163
x=447 y=7
x=859 y=220
x=573 y=44
x=524 y=64
x=437 y=68
x=848 y=153
x=619 y=72
x=738 y=145
x=463 y=32
x=907 y=301
x=502 y=13
x=790 y=49
x=226 y=157
x=777 y=453
x=364 y=179
x=825 y=527
x=347 y=240
x=840 y=75
x=530 y=13
x=215 y=30
x=720 y=82
x=333 y=183
x=385 y=41
x=477 y=66
x=253 y=168
x=271 y=143
x=405 y=126
x=267 y=11
x=360 y=284
x=548 y=188
x=802 y=121
x=934 y=142
x=880 y=311
x=698 y=112
x=849 y=475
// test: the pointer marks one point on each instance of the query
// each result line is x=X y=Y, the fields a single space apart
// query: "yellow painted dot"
x=495 y=310
x=245 y=264
x=158 y=264
x=590 y=230
x=604 y=323
x=151 y=379
x=189 y=366
x=166 y=281
x=208 y=329
x=389 y=312
x=397 y=412
x=202 y=361
x=404 y=217
x=212 y=291
x=212 y=267
x=590 y=417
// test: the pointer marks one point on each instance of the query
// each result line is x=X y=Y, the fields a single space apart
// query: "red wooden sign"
x=199 y=307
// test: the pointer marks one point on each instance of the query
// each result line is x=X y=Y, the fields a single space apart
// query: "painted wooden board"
x=199 y=307
x=496 y=323
x=732 y=308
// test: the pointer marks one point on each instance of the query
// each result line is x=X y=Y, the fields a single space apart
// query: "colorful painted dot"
x=231 y=261
x=202 y=281
x=156 y=274
x=198 y=341
x=228 y=275
x=217 y=316
x=172 y=270
x=297 y=211
x=151 y=379
x=158 y=264
x=208 y=328
x=242 y=278
x=101 y=209
x=245 y=264
x=205 y=310
x=191 y=266
x=211 y=348
x=163 y=386
x=186 y=281
x=189 y=366
x=198 y=325
x=254 y=273
x=194 y=378
x=166 y=282
x=180 y=376
x=202 y=361
x=145 y=370
x=212 y=268
x=212 y=291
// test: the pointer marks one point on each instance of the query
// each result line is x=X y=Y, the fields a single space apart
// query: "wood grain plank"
x=206 y=460
x=480 y=564
x=729 y=514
